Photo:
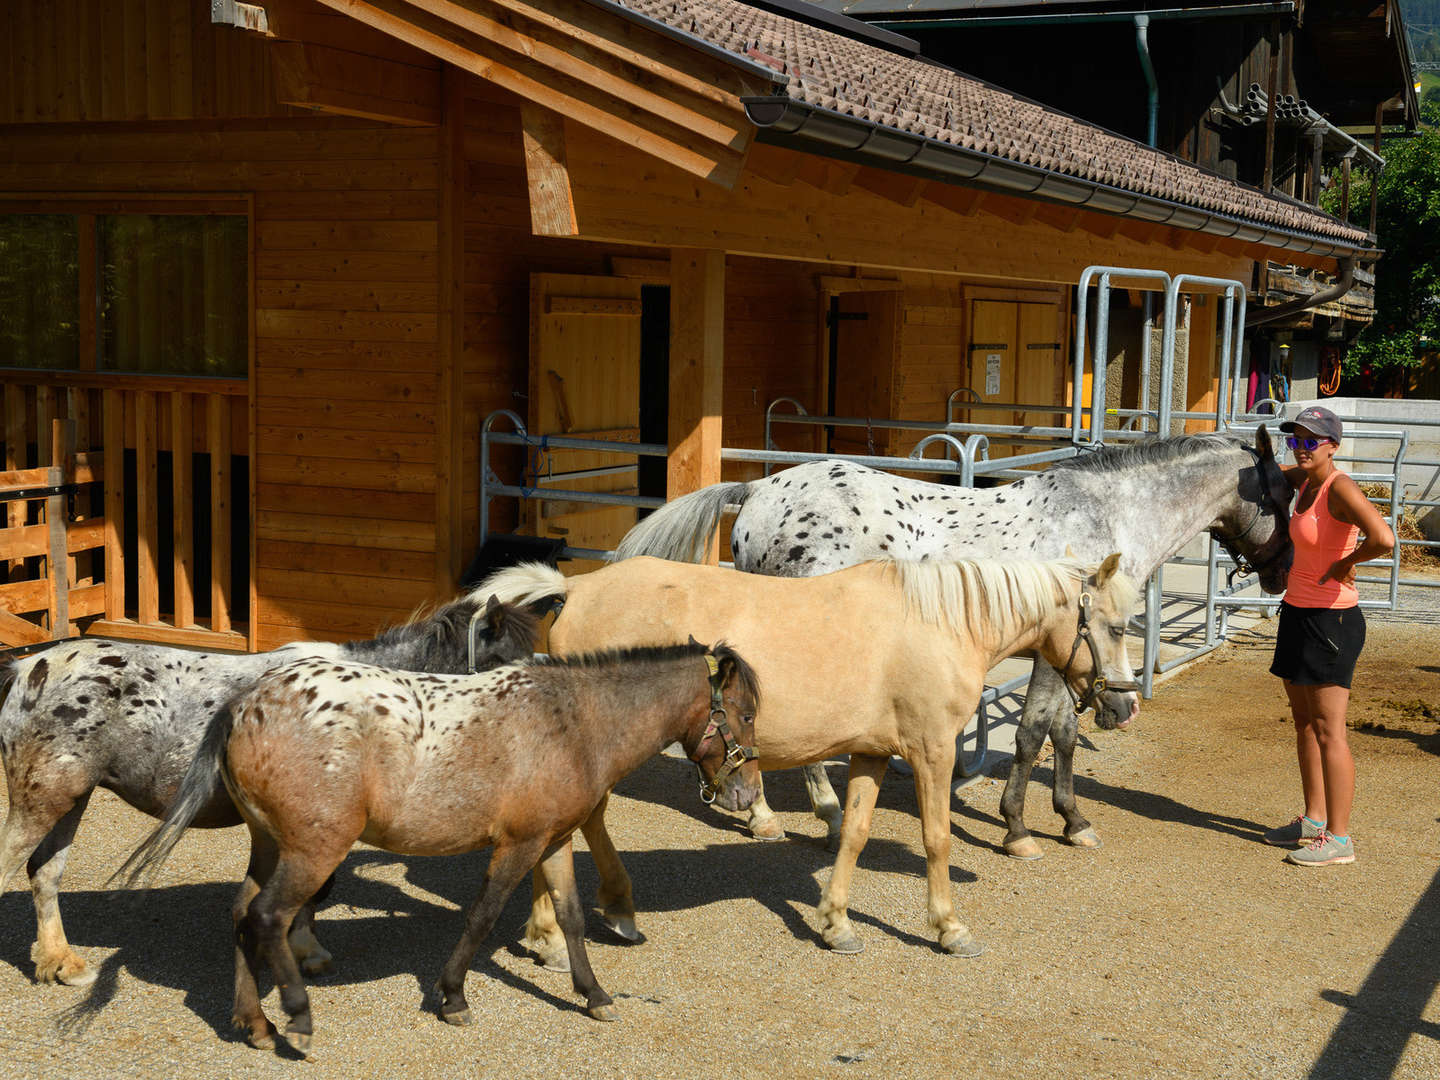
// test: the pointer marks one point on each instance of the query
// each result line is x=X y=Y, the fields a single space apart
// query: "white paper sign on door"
x=992 y=374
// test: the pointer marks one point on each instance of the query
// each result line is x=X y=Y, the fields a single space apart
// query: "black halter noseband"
x=1098 y=683
x=735 y=754
x=1244 y=566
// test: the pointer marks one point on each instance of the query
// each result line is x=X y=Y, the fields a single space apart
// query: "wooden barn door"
x=865 y=346
x=1016 y=350
x=584 y=382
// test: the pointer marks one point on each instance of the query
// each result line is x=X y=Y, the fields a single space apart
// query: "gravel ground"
x=1183 y=948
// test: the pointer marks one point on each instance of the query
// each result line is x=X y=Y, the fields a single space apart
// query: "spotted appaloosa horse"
x=877 y=659
x=130 y=717
x=320 y=754
x=1144 y=501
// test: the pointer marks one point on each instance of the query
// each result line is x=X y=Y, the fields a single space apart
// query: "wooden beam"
x=897 y=187
x=450 y=392
x=16 y=631
x=697 y=371
x=584 y=87
x=838 y=175
x=656 y=270
x=1102 y=225
x=341 y=83
x=1008 y=208
x=774 y=164
x=552 y=204
x=958 y=200
x=1142 y=232
x=1063 y=218
x=113 y=421
x=309 y=21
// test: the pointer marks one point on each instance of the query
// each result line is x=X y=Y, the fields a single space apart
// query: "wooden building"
x=270 y=274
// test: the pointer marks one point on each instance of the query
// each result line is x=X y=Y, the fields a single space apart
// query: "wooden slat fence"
x=129 y=571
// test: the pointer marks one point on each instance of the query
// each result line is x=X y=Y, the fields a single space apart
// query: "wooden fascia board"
x=552 y=203
x=802 y=223
x=899 y=188
x=352 y=84
x=622 y=115
x=309 y=21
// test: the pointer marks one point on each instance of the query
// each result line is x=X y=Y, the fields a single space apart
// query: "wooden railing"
x=162 y=450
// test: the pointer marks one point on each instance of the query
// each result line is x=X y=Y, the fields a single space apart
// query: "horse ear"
x=693 y=643
x=1263 y=446
x=1108 y=569
x=495 y=614
x=1069 y=552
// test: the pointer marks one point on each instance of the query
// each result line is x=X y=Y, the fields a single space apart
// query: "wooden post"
x=217 y=431
x=182 y=437
x=147 y=510
x=1375 y=173
x=450 y=404
x=697 y=370
x=1345 y=186
x=1272 y=80
x=57 y=568
x=114 y=450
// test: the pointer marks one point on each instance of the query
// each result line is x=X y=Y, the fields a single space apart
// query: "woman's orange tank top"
x=1319 y=540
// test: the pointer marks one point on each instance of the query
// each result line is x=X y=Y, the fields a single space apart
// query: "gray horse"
x=130 y=717
x=1144 y=500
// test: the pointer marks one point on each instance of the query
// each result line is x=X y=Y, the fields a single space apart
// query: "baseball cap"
x=1318 y=419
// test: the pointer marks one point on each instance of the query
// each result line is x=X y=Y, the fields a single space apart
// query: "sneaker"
x=1324 y=850
x=1300 y=831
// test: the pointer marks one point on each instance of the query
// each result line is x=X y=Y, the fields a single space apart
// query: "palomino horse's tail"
x=681 y=530
x=525 y=584
x=202 y=780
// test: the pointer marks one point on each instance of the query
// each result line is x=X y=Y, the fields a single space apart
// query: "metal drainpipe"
x=1152 y=88
x=1342 y=285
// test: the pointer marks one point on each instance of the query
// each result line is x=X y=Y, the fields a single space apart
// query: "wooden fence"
x=151 y=552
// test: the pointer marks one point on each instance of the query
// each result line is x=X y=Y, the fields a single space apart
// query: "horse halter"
x=1098 y=683
x=1244 y=567
x=735 y=754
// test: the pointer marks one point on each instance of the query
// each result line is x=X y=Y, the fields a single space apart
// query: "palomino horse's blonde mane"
x=965 y=593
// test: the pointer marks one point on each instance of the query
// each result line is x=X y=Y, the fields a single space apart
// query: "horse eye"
x=1117 y=632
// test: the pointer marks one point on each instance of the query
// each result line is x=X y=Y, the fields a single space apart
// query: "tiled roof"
x=829 y=71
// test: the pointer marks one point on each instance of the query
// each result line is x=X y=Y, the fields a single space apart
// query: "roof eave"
x=796 y=124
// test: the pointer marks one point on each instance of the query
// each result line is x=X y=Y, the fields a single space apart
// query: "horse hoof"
x=1085 y=838
x=261 y=1038
x=832 y=842
x=75 y=974
x=961 y=943
x=559 y=964
x=1025 y=849
x=623 y=926
x=314 y=965
x=847 y=943
x=460 y=1017
x=769 y=829
x=299 y=1041
x=608 y=1013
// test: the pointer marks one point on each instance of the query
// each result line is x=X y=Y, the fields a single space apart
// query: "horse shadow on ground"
x=179 y=936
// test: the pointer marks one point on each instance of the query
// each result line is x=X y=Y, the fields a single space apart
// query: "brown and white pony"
x=879 y=659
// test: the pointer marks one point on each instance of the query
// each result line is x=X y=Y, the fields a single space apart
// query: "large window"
x=163 y=293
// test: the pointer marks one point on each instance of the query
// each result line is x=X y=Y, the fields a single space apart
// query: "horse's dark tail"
x=681 y=530
x=202 y=780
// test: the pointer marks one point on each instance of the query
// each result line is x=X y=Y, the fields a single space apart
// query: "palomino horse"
x=320 y=754
x=130 y=717
x=879 y=659
x=1144 y=500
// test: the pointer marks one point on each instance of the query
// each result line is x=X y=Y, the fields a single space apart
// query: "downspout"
x=1152 y=88
x=1342 y=285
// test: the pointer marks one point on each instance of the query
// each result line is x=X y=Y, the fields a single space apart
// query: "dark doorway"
x=654 y=385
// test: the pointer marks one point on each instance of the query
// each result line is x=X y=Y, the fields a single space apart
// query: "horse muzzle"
x=1114 y=709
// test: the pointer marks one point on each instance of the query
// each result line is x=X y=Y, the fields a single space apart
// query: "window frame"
x=86 y=207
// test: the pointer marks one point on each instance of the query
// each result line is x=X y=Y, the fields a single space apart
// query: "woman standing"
x=1322 y=632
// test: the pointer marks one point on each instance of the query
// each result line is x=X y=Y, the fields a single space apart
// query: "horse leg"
x=617 y=901
x=764 y=825
x=543 y=935
x=54 y=960
x=559 y=870
x=1064 y=735
x=824 y=802
x=246 y=1013
x=1036 y=719
x=860 y=795
x=508 y=864
x=932 y=793
x=314 y=958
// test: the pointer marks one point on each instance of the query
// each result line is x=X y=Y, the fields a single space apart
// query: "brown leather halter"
x=735 y=754
x=1098 y=683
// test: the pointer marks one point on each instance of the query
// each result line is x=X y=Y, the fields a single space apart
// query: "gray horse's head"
x=1255 y=526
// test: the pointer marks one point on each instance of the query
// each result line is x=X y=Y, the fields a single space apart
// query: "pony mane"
x=447 y=625
x=964 y=593
x=1154 y=452
x=604 y=659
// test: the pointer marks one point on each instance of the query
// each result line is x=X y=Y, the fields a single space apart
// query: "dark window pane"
x=174 y=294
x=39 y=291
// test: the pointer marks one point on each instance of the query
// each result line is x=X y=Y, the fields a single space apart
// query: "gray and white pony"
x=1144 y=500
x=130 y=717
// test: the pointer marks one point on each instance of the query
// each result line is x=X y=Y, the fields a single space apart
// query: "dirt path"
x=1183 y=948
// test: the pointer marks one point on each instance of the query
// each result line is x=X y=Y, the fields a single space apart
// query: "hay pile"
x=1406 y=529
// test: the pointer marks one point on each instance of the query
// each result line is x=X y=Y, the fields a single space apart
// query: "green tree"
x=1407 y=277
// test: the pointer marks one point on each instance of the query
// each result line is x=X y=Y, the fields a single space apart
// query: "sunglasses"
x=1294 y=442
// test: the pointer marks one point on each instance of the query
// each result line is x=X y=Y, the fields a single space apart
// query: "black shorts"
x=1318 y=646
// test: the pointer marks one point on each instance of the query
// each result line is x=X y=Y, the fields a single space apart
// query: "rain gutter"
x=1280 y=7
x=1343 y=284
x=785 y=121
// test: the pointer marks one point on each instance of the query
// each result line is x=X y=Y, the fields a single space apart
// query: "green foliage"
x=1407 y=277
